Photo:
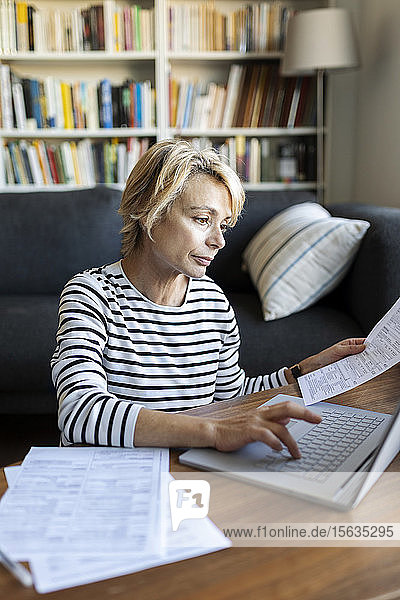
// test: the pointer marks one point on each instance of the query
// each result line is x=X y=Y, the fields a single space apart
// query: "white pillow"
x=299 y=256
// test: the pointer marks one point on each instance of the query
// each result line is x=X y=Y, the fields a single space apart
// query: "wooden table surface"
x=304 y=573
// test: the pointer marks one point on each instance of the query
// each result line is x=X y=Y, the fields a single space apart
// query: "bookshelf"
x=171 y=52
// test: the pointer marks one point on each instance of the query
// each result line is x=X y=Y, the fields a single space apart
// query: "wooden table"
x=277 y=573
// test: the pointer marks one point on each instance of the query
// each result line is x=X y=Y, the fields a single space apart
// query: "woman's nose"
x=216 y=238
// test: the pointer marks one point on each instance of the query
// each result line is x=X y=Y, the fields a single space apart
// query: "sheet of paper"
x=83 y=500
x=382 y=352
x=193 y=538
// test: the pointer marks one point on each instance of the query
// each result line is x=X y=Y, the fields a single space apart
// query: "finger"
x=283 y=434
x=262 y=434
x=354 y=348
x=289 y=409
x=353 y=341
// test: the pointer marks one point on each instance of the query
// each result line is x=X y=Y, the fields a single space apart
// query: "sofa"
x=46 y=237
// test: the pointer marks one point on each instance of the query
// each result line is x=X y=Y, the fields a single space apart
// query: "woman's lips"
x=203 y=260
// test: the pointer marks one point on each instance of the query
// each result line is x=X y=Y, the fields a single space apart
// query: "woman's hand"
x=266 y=424
x=332 y=354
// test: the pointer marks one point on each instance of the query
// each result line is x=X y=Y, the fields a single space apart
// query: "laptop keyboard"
x=326 y=446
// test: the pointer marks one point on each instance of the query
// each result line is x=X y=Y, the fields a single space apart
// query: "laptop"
x=342 y=457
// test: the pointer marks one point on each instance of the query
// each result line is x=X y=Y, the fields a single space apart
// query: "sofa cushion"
x=47 y=237
x=28 y=327
x=299 y=256
x=286 y=341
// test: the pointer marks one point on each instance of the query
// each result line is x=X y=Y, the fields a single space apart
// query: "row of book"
x=28 y=103
x=103 y=26
x=252 y=28
x=80 y=163
x=254 y=96
x=258 y=160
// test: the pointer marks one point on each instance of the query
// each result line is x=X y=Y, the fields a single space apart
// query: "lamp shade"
x=320 y=39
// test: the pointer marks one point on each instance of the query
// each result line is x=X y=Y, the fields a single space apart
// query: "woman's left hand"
x=332 y=354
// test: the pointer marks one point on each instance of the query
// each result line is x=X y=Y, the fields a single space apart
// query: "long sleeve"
x=231 y=379
x=88 y=412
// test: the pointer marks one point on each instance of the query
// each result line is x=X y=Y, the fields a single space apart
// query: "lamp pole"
x=320 y=137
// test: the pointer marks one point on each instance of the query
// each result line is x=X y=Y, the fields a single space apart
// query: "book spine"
x=106 y=104
x=52 y=163
x=35 y=99
x=6 y=97
x=67 y=105
x=22 y=26
x=23 y=148
x=35 y=166
x=19 y=104
x=43 y=161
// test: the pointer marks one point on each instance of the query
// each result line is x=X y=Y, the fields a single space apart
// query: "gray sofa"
x=45 y=238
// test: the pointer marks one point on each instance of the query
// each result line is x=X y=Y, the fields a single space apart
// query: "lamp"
x=320 y=40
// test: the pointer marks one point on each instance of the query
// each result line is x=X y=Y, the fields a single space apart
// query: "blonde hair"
x=158 y=179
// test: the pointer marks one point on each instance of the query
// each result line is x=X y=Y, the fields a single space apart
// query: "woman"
x=151 y=335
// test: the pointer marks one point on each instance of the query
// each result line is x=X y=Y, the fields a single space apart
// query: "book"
x=50 y=152
x=235 y=73
x=14 y=162
x=251 y=95
x=22 y=146
x=31 y=35
x=294 y=104
x=49 y=87
x=106 y=115
x=18 y=100
x=289 y=85
x=35 y=102
x=254 y=160
x=21 y=18
x=35 y=165
x=40 y=147
x=67 y=105
x=241 y=156
x=6 y=97
x=260 y=95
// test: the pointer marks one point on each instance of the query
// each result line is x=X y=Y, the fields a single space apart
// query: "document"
x=83 y=500
x=382 y=352
x=53 y=572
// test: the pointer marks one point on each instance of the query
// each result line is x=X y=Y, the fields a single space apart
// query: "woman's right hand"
x=266 y=424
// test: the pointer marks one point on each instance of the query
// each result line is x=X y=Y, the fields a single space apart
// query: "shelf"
x=60 y=187
x=89 y=56
x=223 y=55
x=248 y=132
x=262 y=186
x=278 y=186
x=122 y=132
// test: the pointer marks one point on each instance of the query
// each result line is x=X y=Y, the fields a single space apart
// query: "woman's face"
x=190 y=236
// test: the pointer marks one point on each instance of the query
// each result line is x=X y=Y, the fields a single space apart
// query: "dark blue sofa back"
x=47 y=237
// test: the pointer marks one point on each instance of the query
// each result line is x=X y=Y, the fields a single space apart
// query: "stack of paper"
x=80 y=515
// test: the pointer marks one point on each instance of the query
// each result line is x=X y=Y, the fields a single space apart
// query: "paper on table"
x=382 y=352
x=193 y=538
x=84 y=500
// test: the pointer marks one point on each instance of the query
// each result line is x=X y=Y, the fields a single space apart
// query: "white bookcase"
x=154 y=65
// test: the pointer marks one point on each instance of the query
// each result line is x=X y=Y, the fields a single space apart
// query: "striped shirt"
x=117 y=352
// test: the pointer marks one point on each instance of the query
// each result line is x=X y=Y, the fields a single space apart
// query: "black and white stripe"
x=117 y=352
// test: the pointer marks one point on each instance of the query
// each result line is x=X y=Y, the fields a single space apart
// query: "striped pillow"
x=299 y=256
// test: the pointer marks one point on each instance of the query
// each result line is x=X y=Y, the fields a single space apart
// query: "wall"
x=364 y=144
x=377 y=158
